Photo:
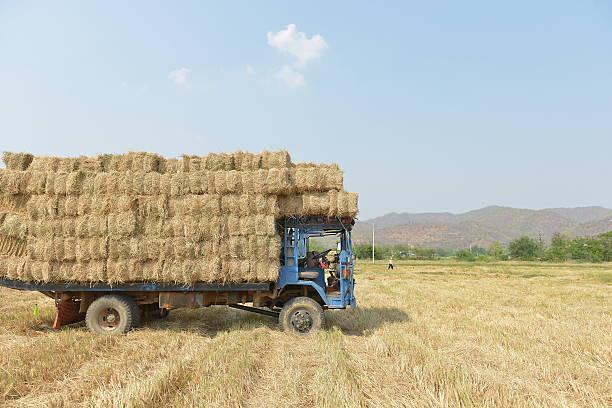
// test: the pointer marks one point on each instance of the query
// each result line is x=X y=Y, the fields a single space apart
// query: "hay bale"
x=155 y=206
x=218 y=161
x=173 y=166
x=198 y=182
x=36 y=183
x=14 y=204
x=199 y=205
x=11 y=246
x=17 y=161
x=12 y=267
x=227 y=182
x=179 y=184
x=14 y=225
x=44 y=164
x=124 y=225
x=244 y=161
x=193 y=163
x=13 y=182
x=306 y=179
x=291 y=205
x=134 y=162
x=275 y=160
x=125 y=271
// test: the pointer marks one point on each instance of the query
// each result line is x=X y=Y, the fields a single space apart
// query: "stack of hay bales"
x=138 y=217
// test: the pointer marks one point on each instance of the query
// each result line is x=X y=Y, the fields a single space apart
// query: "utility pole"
x=372 y=242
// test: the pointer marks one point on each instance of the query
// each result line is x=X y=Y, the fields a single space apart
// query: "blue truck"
x=308 y=283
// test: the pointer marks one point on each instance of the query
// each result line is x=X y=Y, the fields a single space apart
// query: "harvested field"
x=435 y=334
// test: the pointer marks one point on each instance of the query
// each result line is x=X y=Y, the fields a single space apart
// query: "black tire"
x=163 y=313
x=112 y=314
x=301 y=316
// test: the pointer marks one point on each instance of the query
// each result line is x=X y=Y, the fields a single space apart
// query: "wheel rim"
x=301 y=321
x=109 y=319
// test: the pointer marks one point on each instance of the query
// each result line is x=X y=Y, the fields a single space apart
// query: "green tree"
x=496 y=251
x=465 y=255
x=559 y=248
x=424 y=253
x=364 y=251
x=524 y=248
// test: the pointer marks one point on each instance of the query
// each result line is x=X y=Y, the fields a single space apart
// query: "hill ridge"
x=483 y=226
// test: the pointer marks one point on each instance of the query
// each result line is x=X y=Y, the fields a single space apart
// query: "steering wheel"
x=322 y=254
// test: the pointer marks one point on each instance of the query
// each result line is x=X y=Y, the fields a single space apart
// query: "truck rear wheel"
x=112 y=314
x=302 y=316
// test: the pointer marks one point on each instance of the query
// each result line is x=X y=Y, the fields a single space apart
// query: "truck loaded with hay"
x=113 y=237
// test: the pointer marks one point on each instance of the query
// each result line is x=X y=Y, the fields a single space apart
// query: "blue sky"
x=427 y=106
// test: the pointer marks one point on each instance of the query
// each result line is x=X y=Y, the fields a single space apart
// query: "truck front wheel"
x=112 y=314
x=302 y=316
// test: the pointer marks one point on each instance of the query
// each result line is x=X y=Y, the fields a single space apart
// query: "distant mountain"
x=583 y=214
x=482 y=227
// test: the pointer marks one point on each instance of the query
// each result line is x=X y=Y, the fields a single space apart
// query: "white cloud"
x=296 y=44
x=179 y=76
x=291 y=77
x=249 y=69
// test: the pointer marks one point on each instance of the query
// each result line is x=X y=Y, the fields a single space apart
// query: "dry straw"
x=14 y=225
x=12 y=246
x=139 y=217
x=14 y=204
x=17 y=161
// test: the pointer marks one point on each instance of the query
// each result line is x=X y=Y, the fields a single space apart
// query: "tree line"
x=560 y=248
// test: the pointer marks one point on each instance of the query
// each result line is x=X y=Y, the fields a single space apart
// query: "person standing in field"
x=390 y=266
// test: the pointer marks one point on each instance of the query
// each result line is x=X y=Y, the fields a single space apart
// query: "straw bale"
x=246 y=161
x=347 y=204
x=88 y=249
x=122 y=225
x=218 y=161
x=228 y=182
x=151 y=183
x=179 y=184
x=193 y=228
x=44 y=164
x=94 y=163
x=333 y=203
x=262 y=225
x=307 y=179
x=193 y=163
x=36 y=183
x=291 y=205
x=12 y=246
x=12 y=266
x=14 y=204
x=206 y=204
x=13 y=182
x=155 y=206
x=53 y=249
x=134 y=161
x=129 y=270
x=198 y=182
x=17 y=161
x=265 y=271
x=173 y=166
x=275 y=160
x=236 y=271
x=14 y=225
x=250 y=248
x=90 y=271
x=263 y=181
x=249 y=204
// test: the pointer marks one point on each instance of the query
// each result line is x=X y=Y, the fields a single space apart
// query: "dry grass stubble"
x=426 y=334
